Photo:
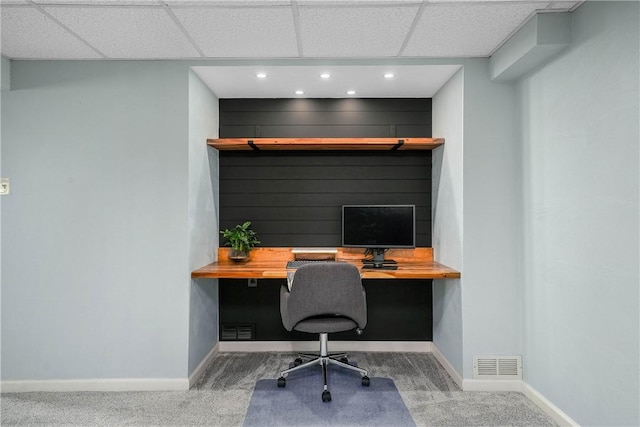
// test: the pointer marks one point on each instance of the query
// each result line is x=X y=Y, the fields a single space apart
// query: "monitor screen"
x=378 y=226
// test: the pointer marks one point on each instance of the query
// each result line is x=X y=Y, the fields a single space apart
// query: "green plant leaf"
x=241 y=237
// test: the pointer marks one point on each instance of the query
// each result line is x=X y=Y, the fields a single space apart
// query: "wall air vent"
x=245 y=332
x=229 y=332
x=497 y=367
x=237 y=331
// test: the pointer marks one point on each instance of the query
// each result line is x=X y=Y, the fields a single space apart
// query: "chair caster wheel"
x=326 y=396
x=366 y=381
x=344 y=360
x=297 y=361
x=282 y=382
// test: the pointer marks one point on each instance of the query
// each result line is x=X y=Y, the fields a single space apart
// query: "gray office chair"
x=324 y=298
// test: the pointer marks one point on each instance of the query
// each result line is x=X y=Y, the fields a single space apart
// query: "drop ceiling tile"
x=563 y=5
x=333 y=3
x=541 y=3
x=98 y=2
x=366 y=31
x=29 y=34
x=228 y=3
x=241 y=32
x=467 y=29
x=127 y=32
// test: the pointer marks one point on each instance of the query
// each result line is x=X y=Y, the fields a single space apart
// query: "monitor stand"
x=379 y=267
x=378 y=261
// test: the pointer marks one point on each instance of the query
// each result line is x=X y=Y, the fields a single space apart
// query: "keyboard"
x=300 y=262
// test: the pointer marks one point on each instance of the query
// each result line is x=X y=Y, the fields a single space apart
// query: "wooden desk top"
x=270 y=263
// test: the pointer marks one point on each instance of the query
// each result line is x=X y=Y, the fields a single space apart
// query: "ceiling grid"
x=184 y=30
x=80 y=39
x=416 y=19
x=320 y=32
x=296 y=25
x=210 y=29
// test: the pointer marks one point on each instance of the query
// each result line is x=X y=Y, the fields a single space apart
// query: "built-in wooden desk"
x=271 y=263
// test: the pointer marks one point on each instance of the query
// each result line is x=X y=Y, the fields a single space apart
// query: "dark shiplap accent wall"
x=294 y=198
x=325 y=118
x=397 y=310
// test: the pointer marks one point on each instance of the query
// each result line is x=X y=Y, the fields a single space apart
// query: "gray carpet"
x=222 y=396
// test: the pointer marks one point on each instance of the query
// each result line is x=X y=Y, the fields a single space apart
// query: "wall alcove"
x=288 y=165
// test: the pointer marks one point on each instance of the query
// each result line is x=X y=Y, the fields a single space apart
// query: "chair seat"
x=322 y=325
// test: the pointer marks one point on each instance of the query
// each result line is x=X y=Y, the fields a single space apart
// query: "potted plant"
x=241 y=238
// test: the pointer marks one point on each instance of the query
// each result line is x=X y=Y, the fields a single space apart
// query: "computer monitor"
x=378 y=228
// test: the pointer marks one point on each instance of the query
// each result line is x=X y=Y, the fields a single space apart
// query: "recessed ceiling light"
x=261 y=75
x=299 y=92
x=351 y=92
x=389 y=75
x=325 y=75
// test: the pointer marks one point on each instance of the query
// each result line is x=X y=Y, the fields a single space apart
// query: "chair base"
x=324 y=359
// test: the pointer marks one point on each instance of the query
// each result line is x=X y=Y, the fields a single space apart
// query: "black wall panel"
x=295 y=198
x=397 y=310
x=325 y=118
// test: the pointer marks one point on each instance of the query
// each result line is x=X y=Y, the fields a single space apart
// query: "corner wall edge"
x=547 y=406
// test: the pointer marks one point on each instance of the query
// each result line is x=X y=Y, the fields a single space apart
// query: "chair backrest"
x=326 y=288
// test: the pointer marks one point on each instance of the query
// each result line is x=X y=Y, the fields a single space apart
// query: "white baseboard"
x=549 y=408
x=447 y=365
x=334 y=346
x=199 y=370
x=491 y=385
x=111 y=384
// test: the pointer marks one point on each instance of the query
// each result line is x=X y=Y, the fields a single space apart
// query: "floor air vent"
x=497 y=368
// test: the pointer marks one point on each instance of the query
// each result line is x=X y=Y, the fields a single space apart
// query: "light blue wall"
x=5 y=73
x=203 y=218
x=95 y=232
x=581 y=213
x=491 y=292
x=477 y=218
x=116 y=140
x=447 y=207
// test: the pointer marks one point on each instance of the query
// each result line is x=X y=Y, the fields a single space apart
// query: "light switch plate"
x=5 y=187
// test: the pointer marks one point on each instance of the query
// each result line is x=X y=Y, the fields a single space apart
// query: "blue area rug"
x=300 y=402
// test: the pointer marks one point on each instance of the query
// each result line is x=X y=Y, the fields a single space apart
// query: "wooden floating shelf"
x=238 y=144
